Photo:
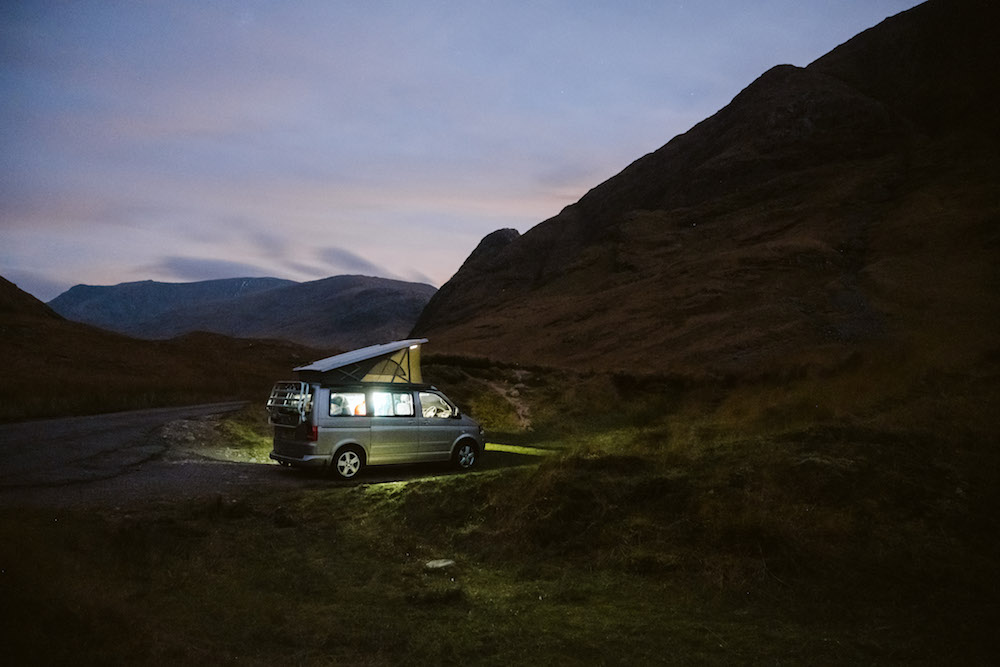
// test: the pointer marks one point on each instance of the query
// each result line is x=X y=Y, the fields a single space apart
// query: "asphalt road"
x=120 y=459
x=96 y=458
x=54 y=452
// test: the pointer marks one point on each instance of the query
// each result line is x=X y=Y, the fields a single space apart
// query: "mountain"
x=838 y=211
x=342 y=312
x=125 y=307
x=55 y=367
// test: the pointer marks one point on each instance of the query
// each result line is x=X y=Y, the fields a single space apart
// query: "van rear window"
x=347 y=404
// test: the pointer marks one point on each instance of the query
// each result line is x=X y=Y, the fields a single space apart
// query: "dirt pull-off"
x=126 y=458
x=160 y=456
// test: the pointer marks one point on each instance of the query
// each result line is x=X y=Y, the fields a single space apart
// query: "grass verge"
x=680 y=539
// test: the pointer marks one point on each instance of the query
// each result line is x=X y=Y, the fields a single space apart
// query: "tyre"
x=348 y=462
x=466 y=455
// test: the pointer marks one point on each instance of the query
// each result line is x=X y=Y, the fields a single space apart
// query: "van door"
x=342 y=419
x=437 y=428
x=395 y=437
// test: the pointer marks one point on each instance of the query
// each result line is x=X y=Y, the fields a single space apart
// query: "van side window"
x=347 y=404
x=393 y=403
x=434 y=405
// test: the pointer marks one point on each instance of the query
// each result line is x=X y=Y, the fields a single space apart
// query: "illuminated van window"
x=347 y=404
x=393 y=403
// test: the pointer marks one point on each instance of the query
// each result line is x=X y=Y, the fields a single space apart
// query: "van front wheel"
x=347 y=463
x=466 y=456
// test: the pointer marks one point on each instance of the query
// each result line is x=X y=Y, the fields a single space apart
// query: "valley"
x=761 y=361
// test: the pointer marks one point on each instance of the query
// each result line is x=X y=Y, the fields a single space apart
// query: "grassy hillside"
x=840 y=209
x=678 y=523
x=53 y=367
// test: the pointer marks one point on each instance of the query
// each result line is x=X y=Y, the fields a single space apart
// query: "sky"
x=185 y=140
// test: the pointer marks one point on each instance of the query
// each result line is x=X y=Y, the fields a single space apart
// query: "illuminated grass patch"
x=517 y=449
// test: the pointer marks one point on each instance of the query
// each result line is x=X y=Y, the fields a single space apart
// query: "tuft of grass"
x=246 y=435
x=494 y=412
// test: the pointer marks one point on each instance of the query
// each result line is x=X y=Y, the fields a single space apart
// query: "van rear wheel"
x=347 y=463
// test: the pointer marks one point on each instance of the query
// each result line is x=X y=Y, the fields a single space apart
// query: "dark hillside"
x=934 y=65
x=772 y=345
x=54 y=367
x=15 y=303
x=840 y=211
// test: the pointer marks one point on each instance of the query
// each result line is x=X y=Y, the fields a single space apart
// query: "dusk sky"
x=191 y=140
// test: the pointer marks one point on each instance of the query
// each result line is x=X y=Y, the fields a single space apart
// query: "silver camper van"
x=368 y=407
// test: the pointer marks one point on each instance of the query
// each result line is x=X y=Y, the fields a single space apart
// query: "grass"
x=684 y=525
x=516 y=449
x=568 y=574
x=243 y=436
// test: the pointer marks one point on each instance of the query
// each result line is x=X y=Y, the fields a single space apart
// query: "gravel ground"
x=157 y=456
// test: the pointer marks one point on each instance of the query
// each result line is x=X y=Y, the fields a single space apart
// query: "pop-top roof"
x=398 y=361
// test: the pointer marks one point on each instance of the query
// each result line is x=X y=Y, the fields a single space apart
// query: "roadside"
x=824 y=545
x=155 y=456
x=55 y=452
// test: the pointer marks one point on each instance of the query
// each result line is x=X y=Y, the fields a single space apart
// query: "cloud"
x=345 y=261
x=418 y=277
x=190 y=269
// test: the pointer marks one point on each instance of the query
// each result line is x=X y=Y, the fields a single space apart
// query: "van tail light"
x=314 y=433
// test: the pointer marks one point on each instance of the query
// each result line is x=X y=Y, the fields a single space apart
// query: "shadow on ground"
x=496 y=457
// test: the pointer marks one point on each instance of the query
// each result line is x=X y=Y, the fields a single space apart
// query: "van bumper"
x=307 y=461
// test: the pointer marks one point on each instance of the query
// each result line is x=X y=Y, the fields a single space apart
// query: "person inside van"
x=338 y=406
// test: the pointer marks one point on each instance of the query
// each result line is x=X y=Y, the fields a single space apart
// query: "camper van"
x=369 y=407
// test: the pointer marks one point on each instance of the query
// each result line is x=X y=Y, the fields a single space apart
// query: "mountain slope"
x=342 y=312
x=17 y=304
x=55 y=367
x=841 y=208
x=126 y=306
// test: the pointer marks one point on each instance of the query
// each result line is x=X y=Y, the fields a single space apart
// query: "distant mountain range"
x=342 y=312
x=839 y=211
